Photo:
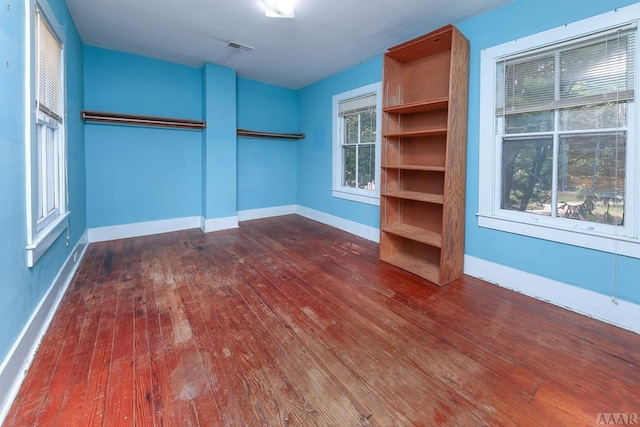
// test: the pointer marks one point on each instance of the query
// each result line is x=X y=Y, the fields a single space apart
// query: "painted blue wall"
x=23 y=288
x=137 y=174
x=584 y=268
x=314 y=152
x=267 y=168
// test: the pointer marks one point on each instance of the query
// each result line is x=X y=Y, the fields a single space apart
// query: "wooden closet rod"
x=270 y=135
x=131 y=119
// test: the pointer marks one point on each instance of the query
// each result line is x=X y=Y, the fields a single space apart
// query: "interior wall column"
x=219 y=155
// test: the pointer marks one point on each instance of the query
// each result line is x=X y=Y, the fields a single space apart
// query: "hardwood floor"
x=285 y=321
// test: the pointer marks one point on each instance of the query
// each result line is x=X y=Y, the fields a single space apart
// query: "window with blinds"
x=358 y=116
x=47 y=194
x=562 y=127
x=356 y=145
x=48 y=69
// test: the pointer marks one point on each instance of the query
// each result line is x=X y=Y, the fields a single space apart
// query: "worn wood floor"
x=285 y=321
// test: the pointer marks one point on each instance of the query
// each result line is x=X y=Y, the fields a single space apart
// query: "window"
x=356 y=146
x=46 y=145
x=558 y=152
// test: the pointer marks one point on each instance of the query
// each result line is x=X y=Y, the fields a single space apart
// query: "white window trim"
x=577 y=233
x=39 y=241
x=338 y=190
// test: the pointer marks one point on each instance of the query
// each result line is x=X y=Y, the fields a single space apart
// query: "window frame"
x=339 y=190
x=607 y=238
x=42 y=233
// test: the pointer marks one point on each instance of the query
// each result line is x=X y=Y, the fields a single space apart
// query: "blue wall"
x=137 y=174
x=314 y=152
x=23 y=288
x=584 y=268
x=267 y=168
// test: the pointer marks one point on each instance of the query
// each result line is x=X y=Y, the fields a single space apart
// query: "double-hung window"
x=46 y=144
x=558 y=149
x=356 y=147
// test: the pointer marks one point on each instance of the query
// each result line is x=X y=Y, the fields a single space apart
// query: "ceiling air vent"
x=241 y=47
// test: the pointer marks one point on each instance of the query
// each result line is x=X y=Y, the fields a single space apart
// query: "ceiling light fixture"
x=278 y=8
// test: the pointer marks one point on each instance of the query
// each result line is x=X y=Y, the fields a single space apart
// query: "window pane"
x=538 y=121
x=604 y=116
x=366 y=167
x=351 y=129
x=527 y=174
x=349 y=166
x=41 y=137
x=591 y=177
x=368 y=127
x=51 y=171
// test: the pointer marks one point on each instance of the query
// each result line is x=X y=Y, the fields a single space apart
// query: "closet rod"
x=271 y=135
x=131 y=119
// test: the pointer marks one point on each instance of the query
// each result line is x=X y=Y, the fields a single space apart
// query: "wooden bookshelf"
x=425 y=92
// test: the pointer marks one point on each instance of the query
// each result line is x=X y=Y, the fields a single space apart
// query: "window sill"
x=45 y=238
x=356 y=197
x=621 y=245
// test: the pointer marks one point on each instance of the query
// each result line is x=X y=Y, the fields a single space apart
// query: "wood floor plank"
x=142 y=375
x=234 y=329
x=285 y=321
x=436 y=359
x=67 y=368
x=119 y=391
x=165 y=355
x=334 y=335
x=49 y=350
x=365 y=291
x=313 y=369
x=583 y=367
x=322 y=309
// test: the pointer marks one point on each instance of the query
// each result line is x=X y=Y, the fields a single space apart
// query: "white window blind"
x=48 y=62
x=592 y=70
x=357 y=105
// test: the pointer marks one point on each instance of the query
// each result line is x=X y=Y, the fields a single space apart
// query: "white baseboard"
x=250 y=214
x=218 y=224
x=125 y=231
x=620 y=313
x=360 y=230
x=14 y=367
x=115 y=232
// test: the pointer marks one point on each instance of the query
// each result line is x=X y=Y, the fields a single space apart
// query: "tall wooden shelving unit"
x=425 y=90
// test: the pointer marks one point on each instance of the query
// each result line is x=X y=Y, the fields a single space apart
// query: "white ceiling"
x=327 y=36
